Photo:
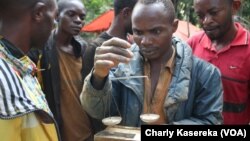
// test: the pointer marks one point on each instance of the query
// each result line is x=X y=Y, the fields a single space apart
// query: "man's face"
x=71 y=19
x=215 y=17
x=42 y=29
x=152 y=30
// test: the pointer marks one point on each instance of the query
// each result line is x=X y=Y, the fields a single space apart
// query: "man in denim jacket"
x=181 y=88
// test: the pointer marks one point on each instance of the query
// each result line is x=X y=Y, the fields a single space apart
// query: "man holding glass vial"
x=178 y=89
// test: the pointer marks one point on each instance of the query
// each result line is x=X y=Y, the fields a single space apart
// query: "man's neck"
x=225 y=40
x=62 y=39
x=11 y=33
x=22 y=45
x=117 y=30
x=162 y=60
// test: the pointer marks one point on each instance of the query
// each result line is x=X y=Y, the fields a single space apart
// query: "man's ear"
x=126 y=11
x=38 y=11
x=236 y=6
x=175 y=25
x=57 y=17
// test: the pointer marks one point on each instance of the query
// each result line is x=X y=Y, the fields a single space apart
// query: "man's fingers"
x=104 y=64
x=111 y=57
x=102 y=67
x=117 y=42
x=108 y=50
x=110 y=54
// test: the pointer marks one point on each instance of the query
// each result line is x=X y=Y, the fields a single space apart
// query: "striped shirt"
x=20 y=92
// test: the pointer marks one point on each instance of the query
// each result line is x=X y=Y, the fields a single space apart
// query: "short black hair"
x=168 y=4
x=63 y=3
x=230 y=1
x=16 y=6
x=120 y=4
x=6 y=5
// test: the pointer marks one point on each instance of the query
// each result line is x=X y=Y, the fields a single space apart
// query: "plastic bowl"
x=111 y=121
x=149 y=118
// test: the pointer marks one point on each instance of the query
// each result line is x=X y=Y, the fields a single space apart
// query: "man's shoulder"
x=204 y=67
x=185 y=52
x=198 y=39
x=197 y=36
x=104 y=36
x=81 y=41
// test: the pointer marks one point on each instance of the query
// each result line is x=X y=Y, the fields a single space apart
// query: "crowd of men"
x=56 y=87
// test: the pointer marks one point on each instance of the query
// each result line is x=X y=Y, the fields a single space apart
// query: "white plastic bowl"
x=149 y=118
x=111 y=121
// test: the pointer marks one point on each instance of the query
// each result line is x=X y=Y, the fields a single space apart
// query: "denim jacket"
x=194 y=95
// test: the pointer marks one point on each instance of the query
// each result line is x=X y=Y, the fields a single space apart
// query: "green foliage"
x=96 y=7
x=185 y=11
x=245 y=10
x=244 y=13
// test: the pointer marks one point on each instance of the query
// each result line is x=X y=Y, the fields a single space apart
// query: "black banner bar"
x=211 y=132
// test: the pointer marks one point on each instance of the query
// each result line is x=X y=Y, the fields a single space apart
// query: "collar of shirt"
x=10 y=48
x=20 y=62
x=171 y=61
x=76 y=42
